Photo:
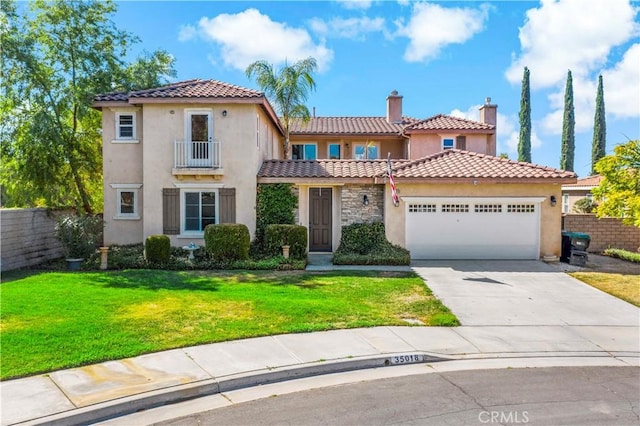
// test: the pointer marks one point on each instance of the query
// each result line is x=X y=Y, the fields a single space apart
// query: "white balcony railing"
x=205 y=155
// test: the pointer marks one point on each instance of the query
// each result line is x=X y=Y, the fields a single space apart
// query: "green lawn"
x=58 y=320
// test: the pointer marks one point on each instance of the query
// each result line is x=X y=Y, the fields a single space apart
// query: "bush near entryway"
x=294 y=236
x=157 y=249
x=227 y=241
x=366 y=244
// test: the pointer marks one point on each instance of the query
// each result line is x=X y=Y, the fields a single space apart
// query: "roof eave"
x=436 y=131
x=332 y=181
x=483 y=180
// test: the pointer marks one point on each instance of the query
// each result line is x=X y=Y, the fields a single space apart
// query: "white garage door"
x=473 y=228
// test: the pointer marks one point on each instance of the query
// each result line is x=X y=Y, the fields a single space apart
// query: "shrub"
x=366 y=244
x=275 y=203
x=294 y=236
x=79 y=235
x=623 y=254
x=227 y=241
x=585 y=205
x=157 y=249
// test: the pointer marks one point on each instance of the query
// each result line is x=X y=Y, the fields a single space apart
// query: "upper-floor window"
x=125 y=125
x=368 y=151
x=333 y=151
x=304 y=151
x=448 y=143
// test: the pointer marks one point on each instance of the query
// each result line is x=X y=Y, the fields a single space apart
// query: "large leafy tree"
x=619 y=190
x=288 y=89
x=524 y=142
x=599 y=145
x=56 y=56
x=568 y=148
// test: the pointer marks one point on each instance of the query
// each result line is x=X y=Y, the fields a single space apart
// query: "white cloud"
x=570 y=34
x=351 y=28
x=432 y=27
x=249 y=36
x=187 y=32
x=355 y=4
x=622 y=85
x=508 y=129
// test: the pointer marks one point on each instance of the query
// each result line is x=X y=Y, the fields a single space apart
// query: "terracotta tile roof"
x=591 y=181
x=447 y=122
x=348 y=126
x=455 y=163
x=322 y=168
x=185 y=89
x=450 y=164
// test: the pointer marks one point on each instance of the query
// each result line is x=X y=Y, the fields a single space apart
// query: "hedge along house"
x=181 y=156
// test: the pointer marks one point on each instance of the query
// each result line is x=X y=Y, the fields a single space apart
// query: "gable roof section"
x=348 y=126
x=584 y=184
x=442 y=122
x=448 y=166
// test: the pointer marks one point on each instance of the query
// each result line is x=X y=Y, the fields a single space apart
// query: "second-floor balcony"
x=190 y=155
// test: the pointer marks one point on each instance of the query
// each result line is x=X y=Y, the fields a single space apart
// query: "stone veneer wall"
x=352 y=209
x=605 y=232
x=27 y=238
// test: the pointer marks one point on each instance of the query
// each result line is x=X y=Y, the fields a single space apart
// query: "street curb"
x=152 y=399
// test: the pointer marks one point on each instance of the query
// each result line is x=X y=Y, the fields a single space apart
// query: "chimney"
x=489 y=115
x=394 y=107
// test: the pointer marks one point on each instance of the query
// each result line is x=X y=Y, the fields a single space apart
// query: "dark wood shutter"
x=461 y=142
x=227 y=205
x=171 y=211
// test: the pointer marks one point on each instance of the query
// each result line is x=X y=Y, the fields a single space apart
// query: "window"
x=199 y=210
x=125 y=126
x=367 y=151
x=455 y=208
x=565 y=203
x=521 y=208
x=422 y=208
x=305 y=151
x=488 y=208
x=334 y=151
x=448 y=143
x=126 y=200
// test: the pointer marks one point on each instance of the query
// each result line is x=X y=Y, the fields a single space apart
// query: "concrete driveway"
x=525 y=293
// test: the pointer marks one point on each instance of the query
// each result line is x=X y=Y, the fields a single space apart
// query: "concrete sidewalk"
x=97 y=392
x=496 y=303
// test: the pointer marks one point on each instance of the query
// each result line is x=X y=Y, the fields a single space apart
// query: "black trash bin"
x=574 y=247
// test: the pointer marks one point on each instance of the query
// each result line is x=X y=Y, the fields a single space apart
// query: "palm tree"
x=288 y=90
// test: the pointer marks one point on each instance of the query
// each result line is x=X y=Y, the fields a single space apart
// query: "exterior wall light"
x=552 y=199
x=365 y=200
x=224 y=112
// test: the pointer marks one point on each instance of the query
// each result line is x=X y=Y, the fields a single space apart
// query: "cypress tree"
x=568 y=128
x=524 y=143
x=598 y=147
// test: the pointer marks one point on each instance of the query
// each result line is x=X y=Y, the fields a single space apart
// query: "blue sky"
x=443 y=57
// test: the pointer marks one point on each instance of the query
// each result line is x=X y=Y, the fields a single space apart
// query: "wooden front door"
x=320 y=228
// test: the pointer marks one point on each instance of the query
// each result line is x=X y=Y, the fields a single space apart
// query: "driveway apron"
x=523 y=293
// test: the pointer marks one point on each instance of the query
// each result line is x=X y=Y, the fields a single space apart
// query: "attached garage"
x=473 y=228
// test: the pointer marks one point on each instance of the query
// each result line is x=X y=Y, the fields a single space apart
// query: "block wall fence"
x=605 y=232
x=27 y=237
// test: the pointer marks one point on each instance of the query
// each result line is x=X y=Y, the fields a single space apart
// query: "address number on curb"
x=407 y=359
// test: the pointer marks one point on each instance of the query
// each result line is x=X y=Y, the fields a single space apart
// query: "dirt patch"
x=599 y=263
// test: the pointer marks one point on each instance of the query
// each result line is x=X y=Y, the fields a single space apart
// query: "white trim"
x=196 y=188
x=125 y=141
x=125 y=185
x=199 y=185
x=444 y=138
x=124 y=109
x=133 y=126
x=579 y=188
x=473 y=199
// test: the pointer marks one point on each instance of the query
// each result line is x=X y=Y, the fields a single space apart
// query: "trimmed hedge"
x=227 y=241
x=157 y=249
x=366 y=244
x=295 y=236
x=629 y=256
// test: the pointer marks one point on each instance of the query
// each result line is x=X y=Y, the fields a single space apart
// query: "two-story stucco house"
x=182 y=156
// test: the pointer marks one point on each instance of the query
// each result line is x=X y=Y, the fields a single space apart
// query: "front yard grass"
x=625 y=287
x=57 y=320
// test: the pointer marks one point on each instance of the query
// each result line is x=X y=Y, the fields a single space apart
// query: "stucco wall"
x=606 y=232
x=424 y=144
x=353 y=210
x=551 y=217
x=27 y=238
x=395 y=146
